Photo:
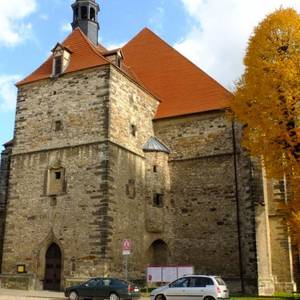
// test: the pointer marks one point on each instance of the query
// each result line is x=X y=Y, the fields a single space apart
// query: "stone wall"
x=79 y=123
x=131 y=109
x=248 y=194
x=211 y=204
x=280 y=242
x=65 y=111
x=93 y=125
x=4 y=181
x=130 y=106
x=60 y=123
x=71 y=219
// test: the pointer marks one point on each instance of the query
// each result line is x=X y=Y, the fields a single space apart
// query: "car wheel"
x=209 y=298
x=160 y=297
x=73 y=296
x=114 y=296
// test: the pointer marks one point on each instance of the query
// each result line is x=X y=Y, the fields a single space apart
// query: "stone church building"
x=133 y=143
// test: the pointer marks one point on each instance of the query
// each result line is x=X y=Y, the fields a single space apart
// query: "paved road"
x=33 y=295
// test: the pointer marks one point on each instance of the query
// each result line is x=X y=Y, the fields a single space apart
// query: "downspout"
x=237 y=201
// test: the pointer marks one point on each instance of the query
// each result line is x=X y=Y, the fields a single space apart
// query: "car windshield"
x=220 y=281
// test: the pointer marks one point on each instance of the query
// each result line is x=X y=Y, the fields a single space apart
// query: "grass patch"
x=277 y=296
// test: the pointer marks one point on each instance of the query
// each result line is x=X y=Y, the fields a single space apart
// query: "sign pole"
x=126 y=249
x=126 y=267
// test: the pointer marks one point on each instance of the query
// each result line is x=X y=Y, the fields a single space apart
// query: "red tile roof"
x=182 y=87
x=84 y=55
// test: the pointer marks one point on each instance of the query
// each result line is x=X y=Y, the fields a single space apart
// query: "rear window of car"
x=201 y=281
x=120 y=283
x=220 y=281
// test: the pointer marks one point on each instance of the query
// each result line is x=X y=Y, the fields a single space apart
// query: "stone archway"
x=53 y=262
x=158 y=253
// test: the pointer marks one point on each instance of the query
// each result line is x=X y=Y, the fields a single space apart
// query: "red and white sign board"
x=126 y=247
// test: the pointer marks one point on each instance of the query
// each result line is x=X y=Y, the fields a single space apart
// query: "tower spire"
x=85 y=16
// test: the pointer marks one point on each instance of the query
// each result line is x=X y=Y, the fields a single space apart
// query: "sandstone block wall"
x=130 y=106
x=35 y=220
x=280 y=243
x=212 y=231
x=79 y=101
x=76 y=218
x=4 y=181
x=93 y=125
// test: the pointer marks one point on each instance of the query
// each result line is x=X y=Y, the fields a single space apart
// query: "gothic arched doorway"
x=52 y=268
x=159 y=253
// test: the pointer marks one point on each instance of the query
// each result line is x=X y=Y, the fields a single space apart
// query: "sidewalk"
x=6 y=294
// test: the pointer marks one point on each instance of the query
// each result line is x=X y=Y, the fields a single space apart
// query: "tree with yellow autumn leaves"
x=267 y=102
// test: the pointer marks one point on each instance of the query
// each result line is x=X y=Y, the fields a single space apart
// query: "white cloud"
x=113 y=46
x=156 y=20
x=218 y=40
x=44 y=17
x=8 y=92
x=13 y=27
x=66 y=27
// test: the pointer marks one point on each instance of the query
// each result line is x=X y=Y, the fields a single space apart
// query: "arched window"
x=84 y=12
x=159 y=253
x=92 y=14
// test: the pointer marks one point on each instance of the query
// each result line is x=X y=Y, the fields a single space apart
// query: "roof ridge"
x=93 y=47
x=146 y=29
x=139 y=81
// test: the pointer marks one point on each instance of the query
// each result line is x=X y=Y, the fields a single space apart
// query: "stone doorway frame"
x=41 y=259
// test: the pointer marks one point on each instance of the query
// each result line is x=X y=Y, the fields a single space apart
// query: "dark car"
x=103 y=288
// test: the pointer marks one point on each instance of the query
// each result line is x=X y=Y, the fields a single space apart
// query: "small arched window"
x=84 y=12
x=92 y=14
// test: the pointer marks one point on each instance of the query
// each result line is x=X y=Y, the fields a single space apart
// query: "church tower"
x=85 y=16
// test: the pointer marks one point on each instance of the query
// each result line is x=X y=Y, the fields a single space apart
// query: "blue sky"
x=213 y=34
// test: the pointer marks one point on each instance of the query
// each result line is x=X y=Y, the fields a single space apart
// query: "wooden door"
x=52 y=268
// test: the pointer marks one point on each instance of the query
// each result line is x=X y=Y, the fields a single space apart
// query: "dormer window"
x=61 y=59
x=57 y=65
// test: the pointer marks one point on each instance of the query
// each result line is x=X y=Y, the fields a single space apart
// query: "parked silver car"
x=196 y=287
